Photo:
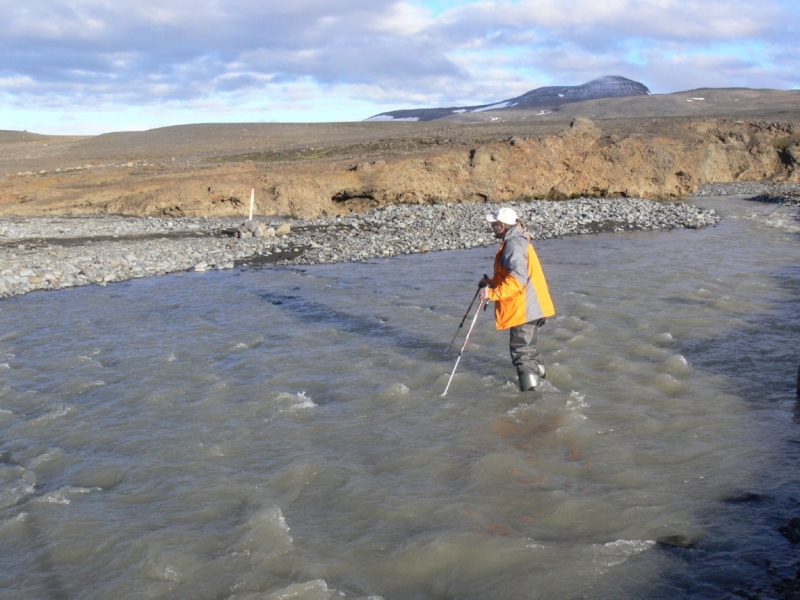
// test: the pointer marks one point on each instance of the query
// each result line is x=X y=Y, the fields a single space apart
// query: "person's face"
x=499 y=229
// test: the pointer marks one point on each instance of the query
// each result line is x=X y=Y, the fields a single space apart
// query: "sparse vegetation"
x=281 y=156
x=784 y=143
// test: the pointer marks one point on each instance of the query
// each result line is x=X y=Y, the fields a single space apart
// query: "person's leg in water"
x=525 y=356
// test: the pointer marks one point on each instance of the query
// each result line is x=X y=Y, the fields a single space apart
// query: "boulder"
x=791 y=531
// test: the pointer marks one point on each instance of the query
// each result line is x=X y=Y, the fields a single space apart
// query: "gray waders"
x=525 y=356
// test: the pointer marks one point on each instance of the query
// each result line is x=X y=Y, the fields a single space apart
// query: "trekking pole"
x=466 y=339
x=460 y=325
x=482 y=284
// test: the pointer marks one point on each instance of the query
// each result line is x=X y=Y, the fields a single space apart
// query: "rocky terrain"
x=170 y=199
x=310 y=171
x=45 y=253
x=786 y=194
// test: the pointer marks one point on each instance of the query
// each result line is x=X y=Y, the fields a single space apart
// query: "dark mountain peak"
x=608 y=86
x=545 y=99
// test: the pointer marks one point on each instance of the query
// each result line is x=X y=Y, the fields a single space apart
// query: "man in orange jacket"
x=519 y=291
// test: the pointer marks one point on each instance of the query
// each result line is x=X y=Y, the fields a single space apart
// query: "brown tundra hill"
x=672 y=144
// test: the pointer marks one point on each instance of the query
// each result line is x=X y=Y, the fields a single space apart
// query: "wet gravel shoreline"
x=787 y=194
x=46 y=253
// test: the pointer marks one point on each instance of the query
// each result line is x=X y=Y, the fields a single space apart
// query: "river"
x=276 y=433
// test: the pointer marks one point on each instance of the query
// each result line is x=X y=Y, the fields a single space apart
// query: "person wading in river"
x=519 y=291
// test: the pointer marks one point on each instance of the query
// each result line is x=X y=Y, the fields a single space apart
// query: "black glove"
x=485 y=282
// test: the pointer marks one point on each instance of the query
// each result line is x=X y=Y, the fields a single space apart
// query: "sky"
x=86 y=67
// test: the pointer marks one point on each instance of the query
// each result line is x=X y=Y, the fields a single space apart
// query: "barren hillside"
x=308 y=170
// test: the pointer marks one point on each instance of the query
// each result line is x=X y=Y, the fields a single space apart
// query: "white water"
x=280 y=433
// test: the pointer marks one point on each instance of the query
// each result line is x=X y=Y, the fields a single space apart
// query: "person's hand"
x=484 y=294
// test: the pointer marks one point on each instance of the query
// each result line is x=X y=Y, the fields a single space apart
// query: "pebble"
x=46 y=253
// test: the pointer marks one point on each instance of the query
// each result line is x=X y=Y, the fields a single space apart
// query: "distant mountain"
x=546 y=99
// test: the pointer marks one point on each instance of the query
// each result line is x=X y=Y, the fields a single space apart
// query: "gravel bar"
x=47 y=253
x=787 y=194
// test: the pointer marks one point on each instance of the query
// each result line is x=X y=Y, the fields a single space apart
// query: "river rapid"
x=279 y=432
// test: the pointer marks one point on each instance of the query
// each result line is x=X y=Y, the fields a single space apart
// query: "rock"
x=283 y=229
x=250 y=225
x=582 y=125
x=258 y=233
x=269 y=232
x=791 y=531
x=744 y=498
x=201 y=266
x=676 y=541
x=786 y=588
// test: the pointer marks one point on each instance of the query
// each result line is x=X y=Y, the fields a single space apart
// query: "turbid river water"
x=280 y=432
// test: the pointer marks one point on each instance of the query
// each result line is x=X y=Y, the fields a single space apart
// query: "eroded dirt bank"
x=650 y=158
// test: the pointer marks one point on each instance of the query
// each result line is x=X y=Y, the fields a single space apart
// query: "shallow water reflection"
x=280 y=431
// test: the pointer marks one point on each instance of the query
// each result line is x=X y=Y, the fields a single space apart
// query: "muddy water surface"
x=278 y=433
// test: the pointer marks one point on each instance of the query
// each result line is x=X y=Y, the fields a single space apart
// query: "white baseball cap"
x=504 y=215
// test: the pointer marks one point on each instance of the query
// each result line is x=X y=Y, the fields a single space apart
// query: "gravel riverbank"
x=57 y=252
x=787 y=194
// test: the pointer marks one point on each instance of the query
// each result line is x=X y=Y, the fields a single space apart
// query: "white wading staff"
x=466 y=314
x=484 y=282
x=466 y=339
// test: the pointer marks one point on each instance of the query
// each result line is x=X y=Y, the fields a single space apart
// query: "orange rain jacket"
x=519 y=289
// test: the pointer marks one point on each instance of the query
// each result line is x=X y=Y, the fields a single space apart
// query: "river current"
x=277 y=433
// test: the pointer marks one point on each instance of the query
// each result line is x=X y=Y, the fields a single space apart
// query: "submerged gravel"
x=787 y=194
x=57 y=252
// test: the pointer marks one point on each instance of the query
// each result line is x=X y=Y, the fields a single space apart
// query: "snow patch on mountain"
x=546 y=99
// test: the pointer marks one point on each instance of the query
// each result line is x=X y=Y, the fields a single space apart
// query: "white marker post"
x=252 y=201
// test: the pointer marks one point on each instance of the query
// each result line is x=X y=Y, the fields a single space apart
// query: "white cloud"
x=15 y=82
x=402 y=19
x=717 y=19
x=379 y=54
